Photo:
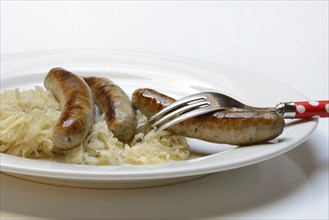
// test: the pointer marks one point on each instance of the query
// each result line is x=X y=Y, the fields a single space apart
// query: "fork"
x=206 y=102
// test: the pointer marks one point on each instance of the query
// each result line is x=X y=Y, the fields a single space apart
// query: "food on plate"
x=234 y=126
x=63 y=121
x=116 y=105
x=27 y=122
x=29 y=119
x=78 y=109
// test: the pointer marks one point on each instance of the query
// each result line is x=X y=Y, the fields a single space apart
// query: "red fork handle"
x=309 y=109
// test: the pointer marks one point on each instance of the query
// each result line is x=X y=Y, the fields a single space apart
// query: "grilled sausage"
x=236 y=126
x=114 y=102
x=77 y=105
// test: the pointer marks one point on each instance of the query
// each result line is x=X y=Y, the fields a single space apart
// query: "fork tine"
x=178 y=111
x=190 y=114
x=178 y=103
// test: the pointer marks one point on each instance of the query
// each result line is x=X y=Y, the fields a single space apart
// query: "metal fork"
x=206 y=102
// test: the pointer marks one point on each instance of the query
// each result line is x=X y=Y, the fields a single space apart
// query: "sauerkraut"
x=27 y=124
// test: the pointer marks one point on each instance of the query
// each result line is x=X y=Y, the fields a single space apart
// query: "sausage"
x=234 y=126
x=115 y=103
x=77 y=105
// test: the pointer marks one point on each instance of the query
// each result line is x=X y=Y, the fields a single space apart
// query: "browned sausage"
x=114 y=102
x=237 y=127
x=78 y=108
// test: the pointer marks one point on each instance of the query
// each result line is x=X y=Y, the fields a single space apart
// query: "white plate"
x=176 y=77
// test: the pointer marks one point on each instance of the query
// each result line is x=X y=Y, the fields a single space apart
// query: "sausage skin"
x=236 y=126
x=115 y=103
x=77 y=105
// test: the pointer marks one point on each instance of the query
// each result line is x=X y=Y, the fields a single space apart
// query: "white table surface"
x=286 y=41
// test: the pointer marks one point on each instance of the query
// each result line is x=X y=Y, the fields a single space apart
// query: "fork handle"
x=304 y=109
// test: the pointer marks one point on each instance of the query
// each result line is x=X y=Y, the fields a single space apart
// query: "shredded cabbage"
x=27 y=122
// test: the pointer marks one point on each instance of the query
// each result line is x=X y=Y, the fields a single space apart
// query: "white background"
x=283 y=40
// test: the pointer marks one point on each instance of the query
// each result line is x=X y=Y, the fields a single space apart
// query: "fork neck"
x=286 y=109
